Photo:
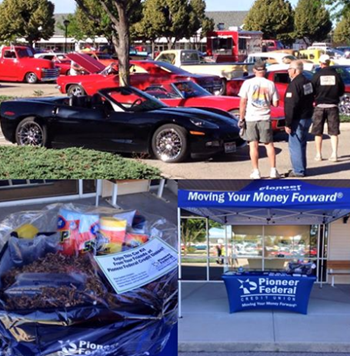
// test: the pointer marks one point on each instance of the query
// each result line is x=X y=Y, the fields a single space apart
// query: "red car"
x=279 y=77
x=189 y=94
x=143 y=74
x=59 y=59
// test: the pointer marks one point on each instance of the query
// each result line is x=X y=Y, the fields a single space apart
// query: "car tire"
x=170 y=143
x=223 y=87
x=344 y=105
x=30 y=132
x=75 y=90
x=31 y=78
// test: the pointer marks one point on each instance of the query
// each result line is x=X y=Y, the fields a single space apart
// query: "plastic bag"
x=134 y=323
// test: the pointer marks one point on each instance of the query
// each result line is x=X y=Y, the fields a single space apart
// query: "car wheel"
x=29 y=132
x=170 y=143
x=75 y=90
x=344 y=106
x=222 y=91
x=31 y=78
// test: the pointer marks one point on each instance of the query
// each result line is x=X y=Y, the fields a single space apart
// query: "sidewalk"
x=207 y=326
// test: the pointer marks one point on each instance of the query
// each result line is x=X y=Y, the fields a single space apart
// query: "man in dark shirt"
x=298 y=108
x=329 y=87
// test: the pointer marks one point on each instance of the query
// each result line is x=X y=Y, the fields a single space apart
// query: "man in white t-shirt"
x=257 y=95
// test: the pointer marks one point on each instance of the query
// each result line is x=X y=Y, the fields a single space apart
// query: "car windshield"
x=178 y=90
x=24 y=52
x=132 y=99
x=104 y=56
x=345 y=74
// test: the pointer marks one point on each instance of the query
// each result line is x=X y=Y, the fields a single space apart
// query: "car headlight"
x=204 y=124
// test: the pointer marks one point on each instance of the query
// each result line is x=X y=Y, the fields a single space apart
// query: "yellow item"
x=27 y=231
x=113 y=231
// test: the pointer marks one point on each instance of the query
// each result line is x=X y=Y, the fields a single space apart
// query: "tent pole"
x=208 y=245
x=179 y=260
x=322 y=252
x=226 y=268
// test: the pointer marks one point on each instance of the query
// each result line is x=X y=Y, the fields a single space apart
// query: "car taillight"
x=9 y=113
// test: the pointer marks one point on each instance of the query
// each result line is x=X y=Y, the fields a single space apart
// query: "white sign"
x=137 y=267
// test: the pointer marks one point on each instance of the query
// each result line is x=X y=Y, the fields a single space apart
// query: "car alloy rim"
x=168 y=144
x=30 y=134
x=76 y=91
x=31 y=77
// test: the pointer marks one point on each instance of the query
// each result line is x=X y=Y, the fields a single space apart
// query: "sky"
x=65 y=6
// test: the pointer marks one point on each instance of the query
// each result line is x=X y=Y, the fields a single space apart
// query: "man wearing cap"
x=298 y=109
x=257 y=94
x=329 y=87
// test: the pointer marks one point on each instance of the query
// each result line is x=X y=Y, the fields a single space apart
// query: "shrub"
x=71 y=163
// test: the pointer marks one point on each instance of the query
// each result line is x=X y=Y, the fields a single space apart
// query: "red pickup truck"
x=17 y=64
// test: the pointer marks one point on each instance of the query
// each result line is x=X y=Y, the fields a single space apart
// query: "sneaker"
x=318 y=158
x=255 y=174
x=333 y=158
x=274 y=174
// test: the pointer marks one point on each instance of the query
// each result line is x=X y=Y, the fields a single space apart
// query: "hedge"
x=24 y=162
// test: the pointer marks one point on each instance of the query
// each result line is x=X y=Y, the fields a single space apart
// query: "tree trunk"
x=124 y=46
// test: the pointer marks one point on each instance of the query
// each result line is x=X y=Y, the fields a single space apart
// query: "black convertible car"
x=122 y=119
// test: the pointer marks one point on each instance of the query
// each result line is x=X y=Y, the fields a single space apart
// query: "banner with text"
x=262 y=291
x=278 y=194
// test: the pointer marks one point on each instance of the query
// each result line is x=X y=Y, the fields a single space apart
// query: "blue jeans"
x=297 y=145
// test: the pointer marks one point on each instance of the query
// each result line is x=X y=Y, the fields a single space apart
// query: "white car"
x=276 y=60
x=270 y=57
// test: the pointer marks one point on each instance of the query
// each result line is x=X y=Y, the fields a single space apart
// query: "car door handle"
x=55 y=111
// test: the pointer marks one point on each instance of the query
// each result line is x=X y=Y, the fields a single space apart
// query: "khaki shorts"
x=329 y=115
x=260 y=131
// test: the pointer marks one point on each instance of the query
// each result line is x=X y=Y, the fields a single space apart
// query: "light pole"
x=66 y=24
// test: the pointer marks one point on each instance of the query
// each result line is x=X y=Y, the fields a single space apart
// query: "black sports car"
x=122 y=119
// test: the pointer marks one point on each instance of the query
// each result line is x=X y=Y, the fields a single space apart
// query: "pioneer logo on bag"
x=84 y=347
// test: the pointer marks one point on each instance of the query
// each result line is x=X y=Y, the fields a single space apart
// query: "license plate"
x=230 y=147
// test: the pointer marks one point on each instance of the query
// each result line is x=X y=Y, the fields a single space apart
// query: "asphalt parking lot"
x=27 y=90
x=233 y=166
x=238 y=166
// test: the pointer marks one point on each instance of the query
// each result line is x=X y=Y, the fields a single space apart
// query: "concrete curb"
x=264 y=347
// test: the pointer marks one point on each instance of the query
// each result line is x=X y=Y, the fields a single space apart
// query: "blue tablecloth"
x=171 y=348
x=264 y=290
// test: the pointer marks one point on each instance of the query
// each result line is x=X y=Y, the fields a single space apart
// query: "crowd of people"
x=306 y=103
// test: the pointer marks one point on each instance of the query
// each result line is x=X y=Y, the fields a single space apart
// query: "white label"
x=308 y=89
x=327 y=80
x=288 y=95
x=137 y=267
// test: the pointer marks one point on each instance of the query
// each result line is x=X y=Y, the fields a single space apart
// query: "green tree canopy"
x=312 y=20
x=30 y=19
x=173 y=19
x=341 y=33
x=273 y=17
x=192 y=231
x=73 y=30
x=121 y=14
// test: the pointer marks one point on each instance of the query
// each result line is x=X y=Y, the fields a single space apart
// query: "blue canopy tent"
x=266 y=202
